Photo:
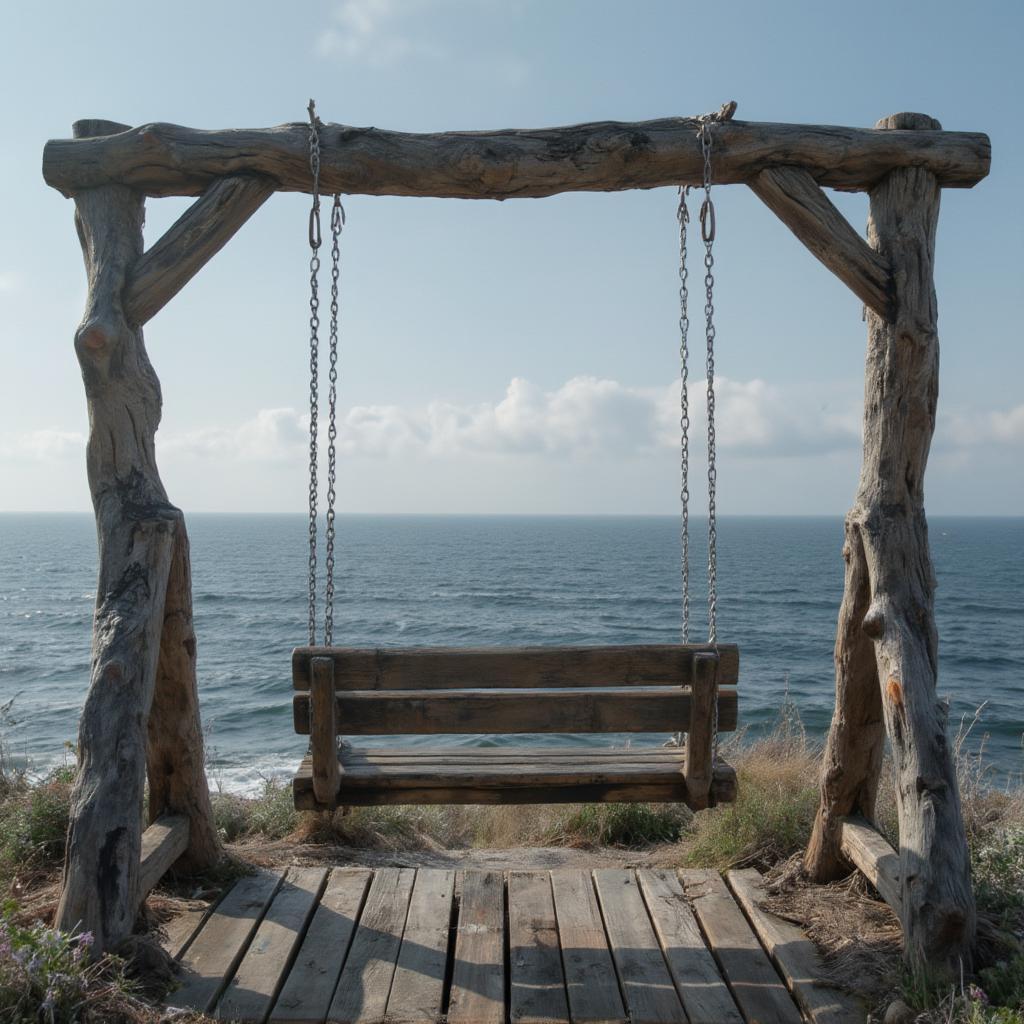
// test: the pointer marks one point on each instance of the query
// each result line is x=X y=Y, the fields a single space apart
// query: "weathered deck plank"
x=703 y=993
x=211 y=958
x=308 y=992
x=478 y=975
x=417 y=992
x=259 y=977
x=537 y=983
x=757 y=989
x=365 y=982
x=647 y=987
x=590 y=982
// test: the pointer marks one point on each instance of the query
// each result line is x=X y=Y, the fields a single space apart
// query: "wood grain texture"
x=478 y=973
x=306 y=995
x=536 y=981
x=887 y=643
x=453 y=668
x=703 y=993
x=176 y=749
x=135 y=525
x=793 y=195
x=167 y=159
x=417 y=991
x=258 y=978
x=323 y=728
x=415 y=712
x=216 y=951
x=795 y=956
x=362 y=993
x=698 y=768
x=190 y=243
x=647 y=986
x=590 y=983
x=758 y=990
x=864 y=847
x=659 y=780
x=162 y=844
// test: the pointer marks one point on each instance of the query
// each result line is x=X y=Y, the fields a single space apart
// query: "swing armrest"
x=698 y=762
x=322 y=732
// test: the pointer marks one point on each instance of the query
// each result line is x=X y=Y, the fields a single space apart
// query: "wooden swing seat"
x=670 y=688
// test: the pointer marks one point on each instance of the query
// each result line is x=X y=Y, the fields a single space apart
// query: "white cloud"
x=584 y=418
x=366 y=31
x=969 y=428
x=42 y=445
x=10 y=281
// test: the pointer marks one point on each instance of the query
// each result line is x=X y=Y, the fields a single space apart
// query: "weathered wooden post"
x=140 y=633
x=886 y=643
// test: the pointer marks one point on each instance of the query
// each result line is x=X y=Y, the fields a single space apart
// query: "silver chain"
x=683 y=216
x=707 y=233
x=314 y=357
x=337 y=222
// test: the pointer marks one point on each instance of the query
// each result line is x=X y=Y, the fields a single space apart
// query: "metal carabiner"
x=337 y=213
x=707 y=220
x=314 y=226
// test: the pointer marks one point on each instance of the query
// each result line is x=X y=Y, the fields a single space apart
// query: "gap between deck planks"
x=405 y=946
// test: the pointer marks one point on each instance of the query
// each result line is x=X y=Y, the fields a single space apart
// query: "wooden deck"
x=407 y=946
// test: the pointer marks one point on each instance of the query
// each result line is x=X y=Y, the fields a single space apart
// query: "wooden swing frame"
x=141 y=714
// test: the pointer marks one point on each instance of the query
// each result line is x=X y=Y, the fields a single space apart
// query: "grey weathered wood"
x=362 y=993
x=176 y=749
x=887 y=644
x=509 y=783
x=703 y=993
x=450 y=668
x=135 y=527
x=793 y=195
x=323 y=728
x=417 y=991
x=177 y=934
x=162 y=844
x=536 y=980
x=795 y=957
x=253 y=988
x=865 y=848
x=590 y=982
x=215 y=952
x=405 y=712
x=647 y=987
x=306 y=995
x=700 y=732
x=478 y=973
x=166 y=159
x=191 y=242
x=757 y=989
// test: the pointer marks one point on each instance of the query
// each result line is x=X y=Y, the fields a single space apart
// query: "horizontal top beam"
x=165 y=159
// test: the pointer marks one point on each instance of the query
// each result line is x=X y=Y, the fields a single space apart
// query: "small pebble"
x=899 y=1013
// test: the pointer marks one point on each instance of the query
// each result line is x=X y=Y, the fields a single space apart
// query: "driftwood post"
x=886 y=643
x=142 y=546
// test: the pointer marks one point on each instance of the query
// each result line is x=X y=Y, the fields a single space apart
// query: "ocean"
x=481 y=580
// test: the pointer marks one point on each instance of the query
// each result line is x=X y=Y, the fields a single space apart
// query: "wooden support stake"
x=136 y=527
x=793 y=195
x=323 y=729
x=700 y=737
x=886 y=643
x=191 y=242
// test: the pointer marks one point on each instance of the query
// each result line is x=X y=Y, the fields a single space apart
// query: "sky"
x=518 y=356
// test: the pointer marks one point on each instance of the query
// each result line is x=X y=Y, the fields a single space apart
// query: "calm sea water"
x=422 y=580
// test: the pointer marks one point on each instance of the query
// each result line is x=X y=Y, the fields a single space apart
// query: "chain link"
x=314 y=357
x=337 y=222
x=707 y=232
x=683 y=217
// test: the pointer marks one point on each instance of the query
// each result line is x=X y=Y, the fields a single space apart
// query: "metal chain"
x=337 y=222
x=314 y=356
x=683 y=216
x=707 y=233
